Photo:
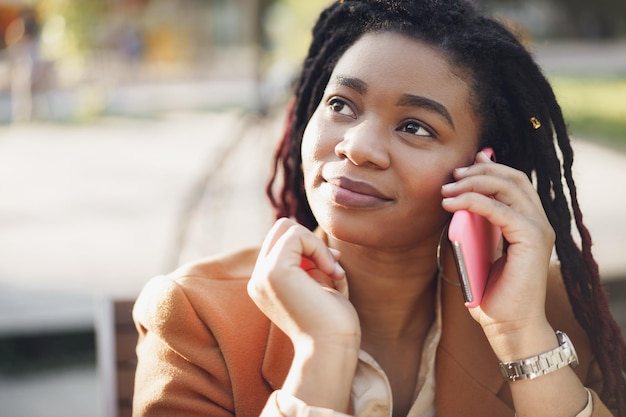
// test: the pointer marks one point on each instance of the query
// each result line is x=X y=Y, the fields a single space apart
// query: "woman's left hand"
x=512 y=310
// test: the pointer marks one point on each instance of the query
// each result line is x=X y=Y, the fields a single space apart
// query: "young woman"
x=350 y=306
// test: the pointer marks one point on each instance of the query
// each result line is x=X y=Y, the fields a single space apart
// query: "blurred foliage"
x=599 y=19
x=153 y=33
x=289 y=24
x=68 y=25
x=594 y=108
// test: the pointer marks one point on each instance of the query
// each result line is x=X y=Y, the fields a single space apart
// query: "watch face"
x=566 y=343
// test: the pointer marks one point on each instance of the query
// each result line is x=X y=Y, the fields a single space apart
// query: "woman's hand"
x=311 y=307
x=512 y=312
x=298 y=283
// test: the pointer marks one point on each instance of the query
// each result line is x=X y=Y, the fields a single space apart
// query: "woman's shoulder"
x=213 y=288
x=228 y=266
x=558 y=306
x=202 y=336
x=224 y=270
x=560 y=314
x=559 y=309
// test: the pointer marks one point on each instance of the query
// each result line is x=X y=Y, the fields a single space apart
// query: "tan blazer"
x=206 y=350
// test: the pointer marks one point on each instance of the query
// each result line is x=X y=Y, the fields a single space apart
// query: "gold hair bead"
x=535 y=122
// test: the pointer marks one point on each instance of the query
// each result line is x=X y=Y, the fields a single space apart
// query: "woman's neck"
x=392 y=291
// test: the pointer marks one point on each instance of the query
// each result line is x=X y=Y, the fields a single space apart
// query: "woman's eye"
x=415 y=128
x=341 y=107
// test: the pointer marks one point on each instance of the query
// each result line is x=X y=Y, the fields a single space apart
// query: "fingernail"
x=335 y=252
x=485 y=155
x=461 y=170
x=448 y=186
x=339 y=271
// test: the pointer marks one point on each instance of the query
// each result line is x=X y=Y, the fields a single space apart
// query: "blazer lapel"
x=469 y=382
x=468 y=378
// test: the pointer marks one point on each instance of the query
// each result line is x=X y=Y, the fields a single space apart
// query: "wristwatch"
x=535 y=366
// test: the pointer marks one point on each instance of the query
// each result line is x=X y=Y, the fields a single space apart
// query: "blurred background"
x=136 y=135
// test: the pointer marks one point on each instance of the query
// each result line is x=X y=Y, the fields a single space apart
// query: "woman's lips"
x=355 y=194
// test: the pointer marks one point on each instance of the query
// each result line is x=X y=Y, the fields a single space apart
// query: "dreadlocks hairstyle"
x=521 y=120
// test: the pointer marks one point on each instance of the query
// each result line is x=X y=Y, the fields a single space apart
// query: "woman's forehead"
x=400 y=65
x=393 y=53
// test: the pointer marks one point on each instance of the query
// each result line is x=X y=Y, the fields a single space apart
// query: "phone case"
x=475 y=243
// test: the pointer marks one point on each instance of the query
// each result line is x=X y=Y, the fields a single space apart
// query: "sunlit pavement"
x=93 y=209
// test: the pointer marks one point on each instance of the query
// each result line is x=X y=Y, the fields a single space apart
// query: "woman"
x=350 y=305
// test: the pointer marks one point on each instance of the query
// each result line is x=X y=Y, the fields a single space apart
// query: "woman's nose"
x=365 y=144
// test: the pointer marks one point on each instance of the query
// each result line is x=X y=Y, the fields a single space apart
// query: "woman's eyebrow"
x=356 y=84
x=409 y=100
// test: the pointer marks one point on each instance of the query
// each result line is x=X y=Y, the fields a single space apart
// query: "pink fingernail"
x=339 y=271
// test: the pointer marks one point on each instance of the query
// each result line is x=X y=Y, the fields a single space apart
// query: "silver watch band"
x=542 y=364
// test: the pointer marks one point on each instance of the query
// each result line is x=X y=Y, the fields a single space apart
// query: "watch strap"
x=542 y=364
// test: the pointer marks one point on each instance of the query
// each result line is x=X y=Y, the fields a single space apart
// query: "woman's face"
x=392 y=125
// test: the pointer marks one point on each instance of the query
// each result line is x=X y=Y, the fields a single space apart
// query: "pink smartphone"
x=475 y=243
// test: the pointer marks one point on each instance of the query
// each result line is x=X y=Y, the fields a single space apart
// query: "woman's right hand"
x=308 y=305
x=312 y=309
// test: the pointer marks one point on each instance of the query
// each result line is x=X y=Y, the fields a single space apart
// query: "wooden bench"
x=116 y=338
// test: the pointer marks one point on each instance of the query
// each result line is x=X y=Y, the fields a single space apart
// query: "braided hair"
x=520 y=119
